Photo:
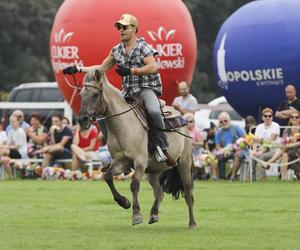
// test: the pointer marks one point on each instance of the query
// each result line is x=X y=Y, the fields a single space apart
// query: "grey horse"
x=128 y=144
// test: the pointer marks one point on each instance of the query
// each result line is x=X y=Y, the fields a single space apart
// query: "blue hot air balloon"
x=257 y=54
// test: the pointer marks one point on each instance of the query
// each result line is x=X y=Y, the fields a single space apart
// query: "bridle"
x=94 y=118
x=97 y=118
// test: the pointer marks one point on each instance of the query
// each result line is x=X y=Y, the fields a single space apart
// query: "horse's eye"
x=96 y=95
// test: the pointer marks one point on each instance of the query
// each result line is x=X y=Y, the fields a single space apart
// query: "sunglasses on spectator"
x=121 y=26
x=191 y=121
x=268 y=116
x=295 y=117
x=224 y=121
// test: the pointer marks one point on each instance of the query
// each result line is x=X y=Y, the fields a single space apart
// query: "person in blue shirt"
x=228 y=134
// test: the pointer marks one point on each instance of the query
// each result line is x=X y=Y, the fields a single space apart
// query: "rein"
x=72 y=86
x=98 y=118
x=94 y=118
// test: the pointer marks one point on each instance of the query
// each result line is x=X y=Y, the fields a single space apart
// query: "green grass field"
x=82 y=215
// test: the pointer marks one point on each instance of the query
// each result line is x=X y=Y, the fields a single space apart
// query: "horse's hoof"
x=153 y=218
x=137 y=219
x=192 y=225
x=124 y=202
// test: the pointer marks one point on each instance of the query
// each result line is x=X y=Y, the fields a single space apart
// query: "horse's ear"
x=98 y=75
x=98 y=78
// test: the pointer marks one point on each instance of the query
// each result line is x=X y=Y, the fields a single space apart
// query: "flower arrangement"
x=208 y=159
x=241 y=144
x=291 y=139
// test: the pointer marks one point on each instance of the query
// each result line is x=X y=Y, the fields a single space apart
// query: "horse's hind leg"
x=158 y=195
x=139 y=170
x=184 y=168
x=121 y=200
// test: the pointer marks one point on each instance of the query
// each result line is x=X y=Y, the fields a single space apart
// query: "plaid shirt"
x=133 y=84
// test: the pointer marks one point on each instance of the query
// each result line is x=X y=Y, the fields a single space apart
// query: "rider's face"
x=126 y=32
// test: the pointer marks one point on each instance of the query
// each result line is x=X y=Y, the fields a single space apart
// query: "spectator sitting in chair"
x=85 y=144
x=186 y=102
x=210 y=146
x=20 y=116
x=195 y=133
x=209 y=142
x=60 y=141
x=228 y=134
x=38 y=136
x=3 y=135
x=290 y=149
x=266 y=133
x=16 y=147
x=250 y=123
x=66 y=122
x=197 y=146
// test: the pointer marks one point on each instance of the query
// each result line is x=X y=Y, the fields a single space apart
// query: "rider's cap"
x=127 y=19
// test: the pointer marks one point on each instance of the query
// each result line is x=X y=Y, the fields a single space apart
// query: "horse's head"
x=91 y=94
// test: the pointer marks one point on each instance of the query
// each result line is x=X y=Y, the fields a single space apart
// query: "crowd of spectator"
x=81 y=144
x=218 y=151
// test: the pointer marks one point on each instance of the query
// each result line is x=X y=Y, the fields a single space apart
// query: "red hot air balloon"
x=83 y=33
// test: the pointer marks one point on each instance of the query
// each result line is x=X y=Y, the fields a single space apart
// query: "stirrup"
x=159 y=155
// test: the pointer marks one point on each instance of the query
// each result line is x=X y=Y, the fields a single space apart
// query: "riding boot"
x=170 y=160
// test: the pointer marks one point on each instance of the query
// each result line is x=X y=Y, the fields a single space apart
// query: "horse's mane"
x=107 y=84
x=90 y=76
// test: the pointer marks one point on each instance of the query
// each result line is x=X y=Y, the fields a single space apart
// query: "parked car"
x=204 y=116
x=36 y=92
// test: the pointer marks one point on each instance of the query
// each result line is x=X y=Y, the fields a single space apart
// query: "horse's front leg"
x=108 y=177
x=139 y=170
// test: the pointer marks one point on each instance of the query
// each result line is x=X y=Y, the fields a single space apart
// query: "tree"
x=25 y=27
x=208 y=17
x=24 y=43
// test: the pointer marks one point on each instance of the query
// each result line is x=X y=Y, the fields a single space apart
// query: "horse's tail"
x=171 y=183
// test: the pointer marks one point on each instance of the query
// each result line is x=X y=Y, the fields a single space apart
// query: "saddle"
x=172 y=118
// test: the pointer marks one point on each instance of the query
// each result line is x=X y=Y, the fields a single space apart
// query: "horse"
x=128 y=144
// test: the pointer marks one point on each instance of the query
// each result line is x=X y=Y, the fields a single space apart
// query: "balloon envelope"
x=83 y=33
x=257 y=54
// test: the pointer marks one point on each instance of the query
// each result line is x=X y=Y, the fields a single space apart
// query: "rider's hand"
x=70 y=70
x=123 y=71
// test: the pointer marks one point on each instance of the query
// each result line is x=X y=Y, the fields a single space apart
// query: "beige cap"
x=127 y=19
